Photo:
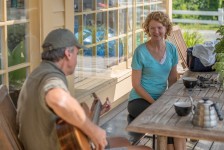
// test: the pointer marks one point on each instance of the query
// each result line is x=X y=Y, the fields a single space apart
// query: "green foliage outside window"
x=192 y=37
x=219 y=49
x=16 y=34
x=16 y=54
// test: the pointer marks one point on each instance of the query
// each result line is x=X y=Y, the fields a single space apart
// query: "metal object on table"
x=205 y=114
x=219 y=113
x=208 y=81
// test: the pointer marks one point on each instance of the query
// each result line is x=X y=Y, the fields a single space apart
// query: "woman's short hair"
x=160 y=17
x=56 y=54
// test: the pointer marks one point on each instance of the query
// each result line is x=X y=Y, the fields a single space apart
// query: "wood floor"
x=116 y=121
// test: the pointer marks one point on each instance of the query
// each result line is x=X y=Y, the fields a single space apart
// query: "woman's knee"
x=137 y=106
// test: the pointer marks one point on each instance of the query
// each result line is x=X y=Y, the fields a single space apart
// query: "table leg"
x=161 y=142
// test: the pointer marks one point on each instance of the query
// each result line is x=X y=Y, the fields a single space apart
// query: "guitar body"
x=70 y=137
x=82 y=140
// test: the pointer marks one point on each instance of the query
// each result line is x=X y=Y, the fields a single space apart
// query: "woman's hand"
x=172 y=76
x=136 y=83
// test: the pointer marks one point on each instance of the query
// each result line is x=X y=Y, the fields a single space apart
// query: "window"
x=1 y=10
x=111 y=29
x=1 y=63
x=16 y=44
x=14 y=61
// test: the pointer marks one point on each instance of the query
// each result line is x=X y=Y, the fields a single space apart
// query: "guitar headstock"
x=95 y=96
x=95 y=101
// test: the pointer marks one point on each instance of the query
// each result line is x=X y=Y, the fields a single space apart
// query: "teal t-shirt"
x=154 y=75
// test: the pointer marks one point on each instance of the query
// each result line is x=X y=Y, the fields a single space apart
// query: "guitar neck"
x=97 y=110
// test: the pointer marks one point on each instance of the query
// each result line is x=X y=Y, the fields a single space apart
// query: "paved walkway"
x=209 y=35
x=116 y=121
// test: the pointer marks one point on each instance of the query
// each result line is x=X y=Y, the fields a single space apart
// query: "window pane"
x=159 y=6
x=15 y=9
x=88 y=52
x=16 y=44
x=138 y=39
x=112 y=48
x=139 y=1
x=130 y=2
x=1 y=10
x=101 y=4
x=1 y=39
x=113 y=3
x=146 y=11
x=78 y=28
x=101 y=63
x=1 y=79
x=17 y=78
x=145 y=37
x=122 y=44
x=139 y=17
x=77 y=6
x=130 y=19
x=122 y=21
x=120 y=49
x=77 y=24
x=122 y=2
x=86 y=61
x=101 y=50
x=129 y=46
x=112 y=53
x=112 y=23
x=153 y=7
x=101 y=27
x=88 y=5
x=88 y=29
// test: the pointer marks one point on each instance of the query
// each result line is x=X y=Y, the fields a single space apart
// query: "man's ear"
x=67 y=53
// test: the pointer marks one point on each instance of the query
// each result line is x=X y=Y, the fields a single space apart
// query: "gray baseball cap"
x=60 y=38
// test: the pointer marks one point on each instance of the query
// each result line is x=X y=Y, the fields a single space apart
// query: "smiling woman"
x=154 y=69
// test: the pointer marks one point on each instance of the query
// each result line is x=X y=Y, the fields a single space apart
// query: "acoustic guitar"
x=72 y=138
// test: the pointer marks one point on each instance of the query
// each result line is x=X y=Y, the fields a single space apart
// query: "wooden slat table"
x=160 y=118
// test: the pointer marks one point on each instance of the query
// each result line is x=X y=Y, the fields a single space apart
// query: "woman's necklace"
x=157 y=52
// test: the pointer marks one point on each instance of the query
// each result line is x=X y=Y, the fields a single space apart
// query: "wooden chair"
x=8 y=127
x=177 y=39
